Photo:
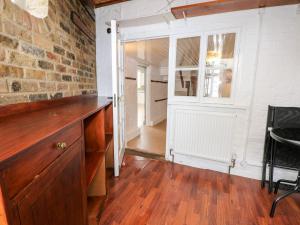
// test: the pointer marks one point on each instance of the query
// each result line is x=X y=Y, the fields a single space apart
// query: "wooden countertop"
x=24 y=128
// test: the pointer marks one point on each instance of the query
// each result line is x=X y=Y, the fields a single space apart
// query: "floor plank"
x=155 y=192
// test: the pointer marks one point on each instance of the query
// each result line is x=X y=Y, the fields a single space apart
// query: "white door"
x=118 y=97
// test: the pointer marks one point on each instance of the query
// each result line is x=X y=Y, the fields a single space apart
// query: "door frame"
x=147 y=38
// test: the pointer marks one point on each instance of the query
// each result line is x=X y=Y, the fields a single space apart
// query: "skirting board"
x=249 y=171
x=132 y=134
x=157 y=121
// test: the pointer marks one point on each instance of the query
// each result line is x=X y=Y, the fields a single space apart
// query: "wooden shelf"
x=95 y=207
x=108 y=140
x=92 y=162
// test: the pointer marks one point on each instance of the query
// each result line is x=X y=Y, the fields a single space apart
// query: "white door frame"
x=152 y=37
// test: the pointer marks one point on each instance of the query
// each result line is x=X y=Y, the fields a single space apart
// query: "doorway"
x=146 y=95
x=141 y=95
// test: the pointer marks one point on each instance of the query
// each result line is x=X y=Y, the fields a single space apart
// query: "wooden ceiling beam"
x=223 y=6
x=102 y=3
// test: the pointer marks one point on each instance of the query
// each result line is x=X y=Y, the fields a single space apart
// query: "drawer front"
x=19 y=172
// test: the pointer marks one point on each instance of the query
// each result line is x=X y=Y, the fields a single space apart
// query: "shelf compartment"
x=93 y=161
x=95 y=208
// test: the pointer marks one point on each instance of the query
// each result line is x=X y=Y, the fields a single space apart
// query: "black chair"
x=288 y=137
x=280 y=117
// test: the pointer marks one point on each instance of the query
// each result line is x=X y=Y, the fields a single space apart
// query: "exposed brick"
x=29 y=86
x=8 y=42
x=17 y=31
x=42 y=41
x=3 y=85
x=62 y=87
x=64 y=27
x=66 y=61
x=53 y=57
x=35 y=74
x=11 y=71
x=9 y=99
x=47 y=86
x=54 y=77
x=29 y=49
x=59 y=50
x=45 y=65
x=19 y=59
x=61 y=68
x=38 y=97
x=2 y=54
x=67 y=78
x=70 y=55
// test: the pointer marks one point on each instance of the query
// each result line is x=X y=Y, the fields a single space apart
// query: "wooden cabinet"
x=53 y=161
x=57 y=195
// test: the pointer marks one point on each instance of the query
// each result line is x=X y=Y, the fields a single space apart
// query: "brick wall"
x=45 y=58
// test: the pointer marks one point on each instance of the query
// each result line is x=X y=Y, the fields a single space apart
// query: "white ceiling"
x=149 y=52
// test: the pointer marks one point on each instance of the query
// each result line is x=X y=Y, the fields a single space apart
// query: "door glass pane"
x=187 y=52
x=219 y=65
x=186 y=83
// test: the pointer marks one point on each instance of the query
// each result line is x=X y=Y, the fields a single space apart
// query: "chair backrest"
x=281 y=117
x=286 y=117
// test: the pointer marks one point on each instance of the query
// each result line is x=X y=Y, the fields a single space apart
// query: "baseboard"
x=241 y=169
x=157 y=121
x=132 y=134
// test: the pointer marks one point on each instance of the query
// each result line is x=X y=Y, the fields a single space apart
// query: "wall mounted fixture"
x=37 y=8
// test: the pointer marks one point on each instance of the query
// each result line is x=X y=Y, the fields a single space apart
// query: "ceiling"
x=101 y=3
x=149 y=52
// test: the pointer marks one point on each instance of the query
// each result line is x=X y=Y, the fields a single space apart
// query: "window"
x=187 y=66
x=219 y=65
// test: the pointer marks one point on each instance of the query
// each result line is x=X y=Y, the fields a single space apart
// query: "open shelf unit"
x=98 y=157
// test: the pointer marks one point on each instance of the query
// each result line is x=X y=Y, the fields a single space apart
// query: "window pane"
x=187 y=52
x=219 y=65
x=186 y=83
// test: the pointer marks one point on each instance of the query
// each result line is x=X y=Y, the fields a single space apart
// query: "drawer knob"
x=61 y=145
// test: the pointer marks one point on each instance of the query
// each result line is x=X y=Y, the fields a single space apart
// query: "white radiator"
x=203 y=134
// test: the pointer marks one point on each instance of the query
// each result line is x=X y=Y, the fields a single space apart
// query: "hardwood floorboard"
x=155 y=192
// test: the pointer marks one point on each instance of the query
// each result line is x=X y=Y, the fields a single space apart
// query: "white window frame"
x=173 y=67
x=202 y=66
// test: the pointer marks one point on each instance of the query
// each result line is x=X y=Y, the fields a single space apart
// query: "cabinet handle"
x=61 y=145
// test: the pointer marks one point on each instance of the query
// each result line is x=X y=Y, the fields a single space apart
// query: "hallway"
x=151 y=140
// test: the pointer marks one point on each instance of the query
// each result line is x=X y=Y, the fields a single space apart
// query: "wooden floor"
x=151 y=139
x=153 y=192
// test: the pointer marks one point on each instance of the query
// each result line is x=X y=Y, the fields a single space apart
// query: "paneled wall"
x=45 y=58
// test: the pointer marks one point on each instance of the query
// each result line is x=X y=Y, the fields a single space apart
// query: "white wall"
x=123 y=11
x=132 y=129
x=273 y=80
x=158 y=110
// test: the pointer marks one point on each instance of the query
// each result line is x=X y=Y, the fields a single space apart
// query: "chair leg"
x=283 y=181
x=263 y=179
x=271 y=168
x=264 y=169
x=274 y=205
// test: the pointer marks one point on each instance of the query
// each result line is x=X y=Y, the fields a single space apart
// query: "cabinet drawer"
x=20 y=171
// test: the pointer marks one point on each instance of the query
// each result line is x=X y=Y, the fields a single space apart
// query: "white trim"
x=249 y=171
x=157 y=121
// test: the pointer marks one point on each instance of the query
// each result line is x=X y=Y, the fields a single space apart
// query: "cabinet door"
x=57 y=196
